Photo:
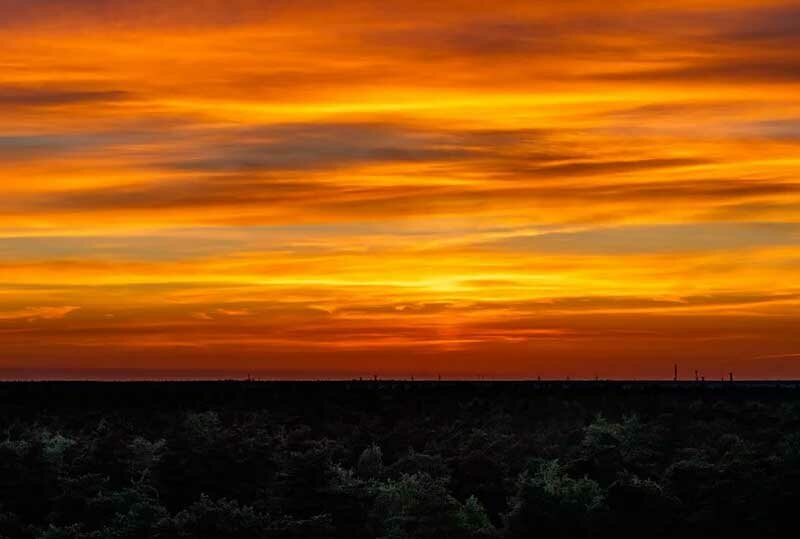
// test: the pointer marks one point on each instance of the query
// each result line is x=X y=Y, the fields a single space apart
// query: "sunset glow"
x=341 y=189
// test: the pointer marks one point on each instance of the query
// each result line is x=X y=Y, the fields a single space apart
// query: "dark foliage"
x=397 y=460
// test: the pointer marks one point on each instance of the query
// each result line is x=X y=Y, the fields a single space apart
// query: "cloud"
x=594 y=167
x=274 y=169
x=763 y=26
x=22 y=96
x=735 y=69
x=492 y=38
x=317 y=145
x=234 y=312
x=295 y=185
x=38 y=313
x=783 y=128
x=267 y=198
x=163 y=245
x=701 y=237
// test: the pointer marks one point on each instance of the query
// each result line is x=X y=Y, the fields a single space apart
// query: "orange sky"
x=337 y=189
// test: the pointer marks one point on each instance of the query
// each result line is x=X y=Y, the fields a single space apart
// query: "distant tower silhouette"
x=730 y=376
x=696 y=376
x=675 y=373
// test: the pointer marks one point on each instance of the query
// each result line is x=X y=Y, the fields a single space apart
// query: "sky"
x=338 y=189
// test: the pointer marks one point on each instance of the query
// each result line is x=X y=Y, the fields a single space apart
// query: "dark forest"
x=398 y=459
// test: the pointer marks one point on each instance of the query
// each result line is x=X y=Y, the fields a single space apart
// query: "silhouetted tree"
x=552 y=504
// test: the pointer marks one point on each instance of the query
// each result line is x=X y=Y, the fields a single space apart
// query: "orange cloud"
x=340 y=189
x=37 y=313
